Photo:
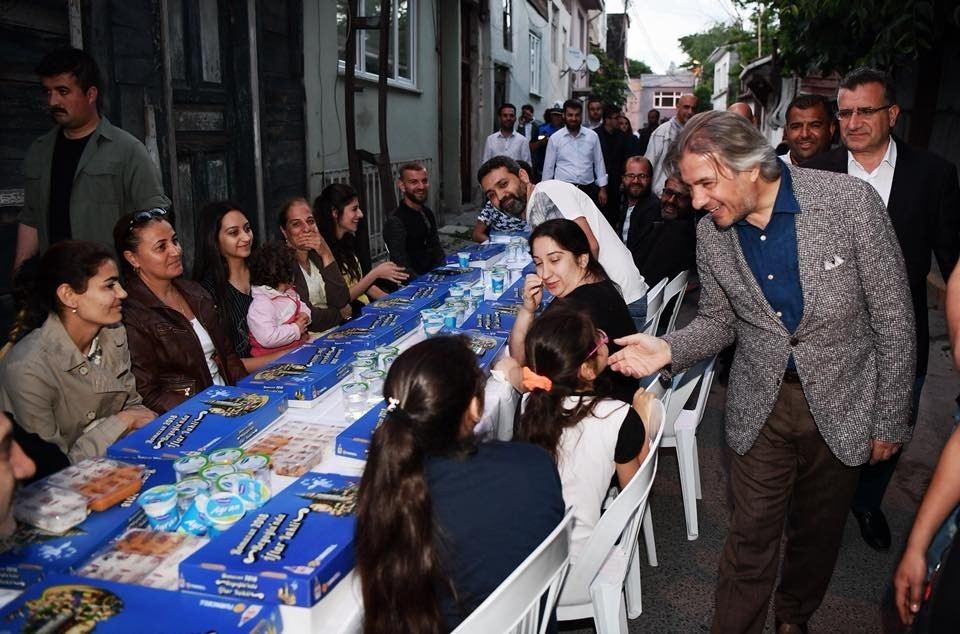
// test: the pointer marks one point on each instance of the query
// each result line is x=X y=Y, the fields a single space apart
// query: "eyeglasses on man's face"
x=846 y=113
x=636 y=177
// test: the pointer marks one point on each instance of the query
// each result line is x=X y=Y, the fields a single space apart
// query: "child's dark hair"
x=569 y=236
x=35 y=283
x=557 y=344
x=327 y=209
x=272 y=265
x=400 y=570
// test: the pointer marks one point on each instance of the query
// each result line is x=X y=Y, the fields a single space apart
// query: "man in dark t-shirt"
x=411 y=230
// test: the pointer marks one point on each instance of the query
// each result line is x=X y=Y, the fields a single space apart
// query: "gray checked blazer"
x=854 y=348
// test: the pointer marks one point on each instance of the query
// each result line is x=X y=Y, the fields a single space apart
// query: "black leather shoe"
x=874 y=529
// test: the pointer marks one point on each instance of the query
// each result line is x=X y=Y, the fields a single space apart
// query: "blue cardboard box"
x=64 y=603
x=219 y=416
x=501 y=236
x=30 y=554
x=376 y=328
x=479 y=253
x=411 y=299
x=484 y=343
x=304 y=374
x=495 y=318
x=354 y=441
x=293 y=550
x=448 y=276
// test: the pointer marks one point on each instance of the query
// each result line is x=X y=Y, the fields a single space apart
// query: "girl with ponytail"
x=442 y=519
x=568 y=411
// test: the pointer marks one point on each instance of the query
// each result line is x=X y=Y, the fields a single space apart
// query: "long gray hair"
x=727 y=139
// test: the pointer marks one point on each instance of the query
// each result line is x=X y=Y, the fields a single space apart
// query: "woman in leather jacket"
x=177 y=343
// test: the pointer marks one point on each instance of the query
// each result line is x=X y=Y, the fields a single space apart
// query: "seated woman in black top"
x=441 y=519
x=567 y=268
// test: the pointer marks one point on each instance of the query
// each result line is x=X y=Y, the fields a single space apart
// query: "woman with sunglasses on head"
x=441 y=518
x=177 y=343
x=67 y=379
x=568 y=411
x=317 y=278
x=338 y=214
x=566 y=267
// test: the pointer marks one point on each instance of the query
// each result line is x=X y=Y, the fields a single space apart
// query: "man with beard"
x=85 y=173
x=809 y=128
x=509 y=188
x=594 y=113
x=801 y=268
x=665 y=242
x=614 y=145
x=574 y=156
x=410 y=232
x=638 y=203
x=663 y=137
x=506 y=141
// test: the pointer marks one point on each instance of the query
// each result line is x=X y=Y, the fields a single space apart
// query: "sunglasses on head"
x=602 y=340
x=147 y=214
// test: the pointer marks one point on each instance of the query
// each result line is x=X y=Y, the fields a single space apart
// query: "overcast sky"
x=655 y=26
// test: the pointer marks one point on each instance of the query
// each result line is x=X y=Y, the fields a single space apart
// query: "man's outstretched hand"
x=642 y=355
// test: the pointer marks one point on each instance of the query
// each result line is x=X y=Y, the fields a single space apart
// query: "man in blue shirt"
x=574 y=156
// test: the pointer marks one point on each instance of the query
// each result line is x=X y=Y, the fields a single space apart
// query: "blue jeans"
x=638 y=312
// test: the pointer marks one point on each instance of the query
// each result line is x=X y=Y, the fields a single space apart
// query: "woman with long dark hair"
x=317 y=278
x=566 y=267
x=567 y=411
x=441 y=519
x=177 y=343
x=68 y=378
x=338 y=214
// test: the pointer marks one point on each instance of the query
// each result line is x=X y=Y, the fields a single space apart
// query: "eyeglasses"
x=672 y=193
x=636 y=177
x=602 y=340
x=147 y=214
x=846 y=113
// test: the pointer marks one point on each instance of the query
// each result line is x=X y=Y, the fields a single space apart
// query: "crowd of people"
x=816 y=278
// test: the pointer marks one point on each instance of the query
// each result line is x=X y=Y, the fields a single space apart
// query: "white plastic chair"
x=676 y=288
x=604 y=584
x=685 y=424
x=516 y=605
x=654 y=307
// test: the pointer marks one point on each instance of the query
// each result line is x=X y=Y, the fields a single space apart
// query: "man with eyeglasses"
x=922 y=196
x=85 y=173
x=665 y=243
x=639 y=203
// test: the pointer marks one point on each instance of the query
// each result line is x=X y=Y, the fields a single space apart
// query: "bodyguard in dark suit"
x=801 y=268
x=922 y=198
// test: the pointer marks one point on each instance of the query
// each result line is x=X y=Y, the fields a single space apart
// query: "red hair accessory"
x=532 y=381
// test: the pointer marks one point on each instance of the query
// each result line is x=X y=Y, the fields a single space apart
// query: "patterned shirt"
x=497 y=220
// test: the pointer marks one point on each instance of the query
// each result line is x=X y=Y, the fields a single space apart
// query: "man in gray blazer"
x=801 y=269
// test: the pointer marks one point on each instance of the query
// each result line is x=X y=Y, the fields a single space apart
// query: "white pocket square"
x=829 y=265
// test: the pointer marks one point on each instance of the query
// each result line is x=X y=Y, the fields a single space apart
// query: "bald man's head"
x=686 y=107
x=742 y=109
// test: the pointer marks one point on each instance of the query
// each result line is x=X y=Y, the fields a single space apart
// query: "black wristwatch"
x=665 y=375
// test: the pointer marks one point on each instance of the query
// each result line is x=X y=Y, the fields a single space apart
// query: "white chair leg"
x=631 y=587
x=685 y=443
x=648 y=538
x=696 y=469
x=609 y=612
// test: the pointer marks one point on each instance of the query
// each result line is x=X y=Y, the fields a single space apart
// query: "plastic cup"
x=463 y=259
x=497 y=279
x=354 y=399
x=359 y=366
x=374 y=380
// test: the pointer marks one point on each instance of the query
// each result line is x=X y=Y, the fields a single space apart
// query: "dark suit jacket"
x=924 y=207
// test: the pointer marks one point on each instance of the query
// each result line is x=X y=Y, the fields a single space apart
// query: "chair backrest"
x=620 y=523
x=654 y=307
x=683 y=385
x=676 y=290
x=517 y=604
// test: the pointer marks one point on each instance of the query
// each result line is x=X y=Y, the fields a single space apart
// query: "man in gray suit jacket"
x=801 y=269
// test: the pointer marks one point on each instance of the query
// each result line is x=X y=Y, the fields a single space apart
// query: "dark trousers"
x=593 y=191
x=789 y=480
x=874 y=478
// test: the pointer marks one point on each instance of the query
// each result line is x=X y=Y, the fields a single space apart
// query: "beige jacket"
x=54 y=391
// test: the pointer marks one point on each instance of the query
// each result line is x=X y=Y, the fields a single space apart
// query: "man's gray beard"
x=514 y=207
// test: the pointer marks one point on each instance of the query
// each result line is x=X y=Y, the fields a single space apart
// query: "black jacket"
x=412 y=239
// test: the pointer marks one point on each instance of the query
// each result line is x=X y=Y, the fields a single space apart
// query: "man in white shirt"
x=574 y=156
x=662 y=138
x=508 y=187
x=507 y=142
x=922 y=196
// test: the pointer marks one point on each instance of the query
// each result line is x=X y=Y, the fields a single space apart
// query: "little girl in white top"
x=277 y=318
x=566 y=410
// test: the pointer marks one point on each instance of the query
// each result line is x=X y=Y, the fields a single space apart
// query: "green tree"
x=609 y=83
x=704 y=98
x=635 y=68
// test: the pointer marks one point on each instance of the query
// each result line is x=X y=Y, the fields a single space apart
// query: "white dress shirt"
x=660 y=141
x=577 y=160
x=881 y=178
x=516 y=146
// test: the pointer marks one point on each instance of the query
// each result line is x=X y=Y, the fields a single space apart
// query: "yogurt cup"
x=189 y=465
x=190 y=488
x=256 y=463
x=213 y=472
x=227 y=455
x=159 y=503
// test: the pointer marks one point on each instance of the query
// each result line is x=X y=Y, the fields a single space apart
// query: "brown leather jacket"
x=164 y=350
